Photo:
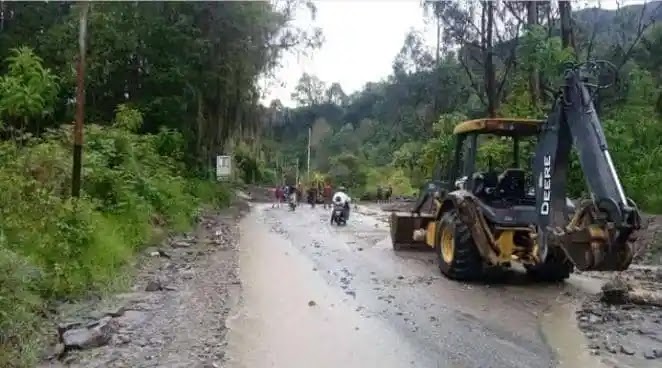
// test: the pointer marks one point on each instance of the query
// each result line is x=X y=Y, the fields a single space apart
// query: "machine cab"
x=492 y=160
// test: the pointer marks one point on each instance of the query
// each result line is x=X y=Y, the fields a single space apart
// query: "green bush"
x=57 y=248
x=251 y=169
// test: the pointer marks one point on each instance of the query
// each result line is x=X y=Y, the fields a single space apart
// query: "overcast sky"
x=361 y=40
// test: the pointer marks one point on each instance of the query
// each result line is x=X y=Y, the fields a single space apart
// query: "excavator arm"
x=596 y=238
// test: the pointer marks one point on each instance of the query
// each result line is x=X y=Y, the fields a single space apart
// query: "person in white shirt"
x=341 y=198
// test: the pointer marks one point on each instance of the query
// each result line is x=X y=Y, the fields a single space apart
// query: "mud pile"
x=648 y=241
x=624 y=321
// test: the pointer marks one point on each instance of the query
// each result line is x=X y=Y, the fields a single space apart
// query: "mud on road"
x=320 y=295
x=627 y=334
x=295 y=291
x=349 y=283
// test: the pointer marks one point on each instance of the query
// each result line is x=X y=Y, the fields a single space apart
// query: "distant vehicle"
x=338 y=215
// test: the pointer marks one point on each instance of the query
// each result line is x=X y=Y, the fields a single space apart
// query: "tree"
x=534 y=73
x=336 y=95
x=309 y=91
x=474 y=28
x=320 y=131
x=346 y=170
x=565 y=11
x=27 y=91
x=413 y=56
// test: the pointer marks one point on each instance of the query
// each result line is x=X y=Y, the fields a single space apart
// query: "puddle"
x=559 y=328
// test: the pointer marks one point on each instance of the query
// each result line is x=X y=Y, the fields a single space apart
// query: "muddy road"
x=323 y=296
x=270 y=288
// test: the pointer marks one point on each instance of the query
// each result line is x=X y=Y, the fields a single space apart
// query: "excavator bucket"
x=408 y=230
x=592 y=249
x=593 y=244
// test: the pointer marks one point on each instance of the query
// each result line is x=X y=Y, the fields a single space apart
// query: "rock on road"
x=316 y=295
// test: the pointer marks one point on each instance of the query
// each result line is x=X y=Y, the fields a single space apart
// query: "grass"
x=55 y=249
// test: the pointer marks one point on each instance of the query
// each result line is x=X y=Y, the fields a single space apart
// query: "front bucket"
x=403 y=225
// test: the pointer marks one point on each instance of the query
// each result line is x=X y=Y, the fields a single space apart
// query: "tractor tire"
x=457 y=255
x=556 y=268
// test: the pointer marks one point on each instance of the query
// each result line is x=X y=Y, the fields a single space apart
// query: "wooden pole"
x=80 y=103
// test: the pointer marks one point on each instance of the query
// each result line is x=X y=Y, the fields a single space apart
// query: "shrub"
x=54 y=247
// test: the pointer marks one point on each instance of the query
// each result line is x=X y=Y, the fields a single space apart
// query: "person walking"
x=389 y=193
x=278 y=197
x=327 y=192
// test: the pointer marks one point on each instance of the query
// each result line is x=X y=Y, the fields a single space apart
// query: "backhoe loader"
x=488 y=219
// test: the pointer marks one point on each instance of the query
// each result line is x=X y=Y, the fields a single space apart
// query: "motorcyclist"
x=342 y=199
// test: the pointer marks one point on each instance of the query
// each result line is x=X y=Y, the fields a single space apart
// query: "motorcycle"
x=338 y=215
x=293 y=201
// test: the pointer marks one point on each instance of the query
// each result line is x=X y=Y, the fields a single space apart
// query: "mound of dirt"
x=648 y=241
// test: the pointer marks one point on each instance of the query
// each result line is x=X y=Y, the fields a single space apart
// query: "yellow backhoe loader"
x=488 y=219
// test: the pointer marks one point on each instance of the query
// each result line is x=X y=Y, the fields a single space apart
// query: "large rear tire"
x=457 y=255
x=556 y=268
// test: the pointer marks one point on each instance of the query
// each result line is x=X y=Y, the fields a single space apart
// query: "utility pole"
x=310 y=132
x=80 y=102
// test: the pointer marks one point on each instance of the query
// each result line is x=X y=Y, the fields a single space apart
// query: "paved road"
x=316 y=295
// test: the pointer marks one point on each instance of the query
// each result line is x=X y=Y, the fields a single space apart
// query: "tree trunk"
x=490 y=75
x=565 y=12
x=435 y=107
x=534 y=76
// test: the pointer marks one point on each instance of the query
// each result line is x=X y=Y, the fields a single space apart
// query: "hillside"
x=391 y=132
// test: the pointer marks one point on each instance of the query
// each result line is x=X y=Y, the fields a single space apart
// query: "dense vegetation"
x=168 y=87
x=171 y=85
x=493 y=59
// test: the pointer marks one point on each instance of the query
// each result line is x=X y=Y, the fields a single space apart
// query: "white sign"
x=223 y=167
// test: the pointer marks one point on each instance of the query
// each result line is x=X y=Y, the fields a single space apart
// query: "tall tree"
x=534 y=74
x=309 y=91
x=565 y=13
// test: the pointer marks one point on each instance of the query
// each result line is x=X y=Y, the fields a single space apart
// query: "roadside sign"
x=223 y=167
